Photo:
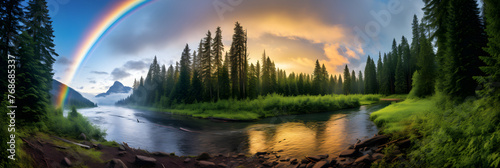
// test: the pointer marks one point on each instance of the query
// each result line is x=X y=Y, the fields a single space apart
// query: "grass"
x=449 y=134
x=270 y=105
x=73 y=125
x=395 y=117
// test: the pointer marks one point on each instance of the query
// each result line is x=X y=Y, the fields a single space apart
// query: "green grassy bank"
x=270 y=105
x=445 y=134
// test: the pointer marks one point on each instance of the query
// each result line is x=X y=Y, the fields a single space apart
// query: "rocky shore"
x=58 y=152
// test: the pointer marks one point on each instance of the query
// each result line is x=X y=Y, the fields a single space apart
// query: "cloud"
x=323 y=29
x=64 y=61
x=135 y=65
x=99 y=72
x=92 y=81
x=118 y=74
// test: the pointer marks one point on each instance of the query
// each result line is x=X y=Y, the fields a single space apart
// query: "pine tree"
x=217 y=50
x=11 y=18
x=225 y=91
x=354 y=83
x=361 y=83
x=465 y=39
x=184 y=84
x=424 y=79
x=384 y=81
x=340 y=86
x=206 y=67
x=324 y=80
x=436 y=15
x=380 y=72
x=252 y=83
x=492 y=68
x=318 y=75
x=347 y=81
x=39 y=27
x=400 y=80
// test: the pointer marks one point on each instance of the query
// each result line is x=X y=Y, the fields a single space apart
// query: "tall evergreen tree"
x=465 y=40
x=492 y=68
x=354 y=83
x=347 y=81
x=361 y=83
x=424 y=79
x=11 y=17
x=318 y=76
x=39 y=27
x=217 y=50
x=206 y=67
x=436 y=15
x=184 y=84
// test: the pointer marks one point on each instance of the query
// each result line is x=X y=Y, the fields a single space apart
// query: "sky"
x=293 y=33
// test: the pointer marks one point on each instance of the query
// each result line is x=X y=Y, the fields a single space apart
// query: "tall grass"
x=270 y=105
x=73 y=125
x=452 y=135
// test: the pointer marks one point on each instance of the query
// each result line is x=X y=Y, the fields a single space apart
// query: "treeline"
x=210 y=74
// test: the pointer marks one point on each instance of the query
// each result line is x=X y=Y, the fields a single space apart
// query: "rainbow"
x=118 y=11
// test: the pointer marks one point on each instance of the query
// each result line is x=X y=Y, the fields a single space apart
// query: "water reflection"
x=311 y=137
x=299 y=135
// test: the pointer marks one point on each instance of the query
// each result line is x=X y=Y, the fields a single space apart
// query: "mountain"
x=74 y=98
x=116 y=88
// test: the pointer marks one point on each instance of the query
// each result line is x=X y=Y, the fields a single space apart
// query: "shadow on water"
x=293 y=135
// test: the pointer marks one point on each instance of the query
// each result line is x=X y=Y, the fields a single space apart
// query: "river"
x=295 y=135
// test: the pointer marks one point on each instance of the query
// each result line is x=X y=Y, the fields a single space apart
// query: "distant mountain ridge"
x=74 y=98
x=117 y=87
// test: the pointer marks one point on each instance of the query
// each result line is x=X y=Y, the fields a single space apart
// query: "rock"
x=284 y=159
x=376 y=140
x=269 y=163
x=321 y=164
x=266 y=157
x=241 y=155
x=139 y=159
x=222 y=165
x=187 y=160
x=116 y=163
x=404 y=143
x=302 y=166
x=99 y=147
x=66 y=162
x=121 y=148
x=282 y=165
x=294 y=161
x=160 y=154
x=122 y=153
x=305 y=161
x=281 y=150
x=260 y=153
x=277 y=156
x=314 y=158
x=83 y=136
x=310 y=165
x=323 y=156
x=206 y=164
x=348 y=153
x=204 y=156
x=363 y=159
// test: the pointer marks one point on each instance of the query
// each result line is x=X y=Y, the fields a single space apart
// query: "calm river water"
x=296 y=135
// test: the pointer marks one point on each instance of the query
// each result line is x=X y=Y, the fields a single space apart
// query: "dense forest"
x=210 y=74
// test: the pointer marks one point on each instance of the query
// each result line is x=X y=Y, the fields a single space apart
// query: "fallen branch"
x=68 y=141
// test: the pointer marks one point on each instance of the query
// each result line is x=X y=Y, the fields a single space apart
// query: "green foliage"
x=463 y=135
x=73 y=125
x=347 y=81
x=271 y=105
x=395 y=117
x=465 y=39
x=492 y=68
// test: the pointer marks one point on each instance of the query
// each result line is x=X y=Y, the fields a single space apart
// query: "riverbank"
x=267 y=106
x=444 y=133
x=52 y=151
